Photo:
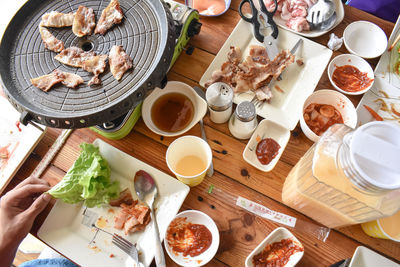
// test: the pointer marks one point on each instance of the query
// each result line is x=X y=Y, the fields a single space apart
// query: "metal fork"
x=126 y=246
x=123 y=244
x=257 y=103
x=321 y=11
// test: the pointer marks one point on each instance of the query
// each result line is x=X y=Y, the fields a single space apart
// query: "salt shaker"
x=219 y=99
x=244 y=121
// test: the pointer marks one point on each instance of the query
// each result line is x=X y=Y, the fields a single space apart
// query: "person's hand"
x=19 y=208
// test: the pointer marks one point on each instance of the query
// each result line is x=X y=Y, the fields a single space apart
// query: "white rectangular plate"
x=298 y=81
x=63 y=229
x=386 y=80
x=20 y=143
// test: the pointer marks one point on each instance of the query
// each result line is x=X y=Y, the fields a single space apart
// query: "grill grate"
x=145 y=33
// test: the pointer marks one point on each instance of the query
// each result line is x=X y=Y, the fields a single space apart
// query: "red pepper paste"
x=266 y=151
x=350 y=78
x=188 y=238
x=277 y=254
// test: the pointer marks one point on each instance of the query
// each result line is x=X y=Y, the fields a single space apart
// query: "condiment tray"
x=297 y=83
x=68 y=229
x=275 y=236
x=266 y=129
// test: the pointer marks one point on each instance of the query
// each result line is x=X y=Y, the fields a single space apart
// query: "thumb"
x=38 y=205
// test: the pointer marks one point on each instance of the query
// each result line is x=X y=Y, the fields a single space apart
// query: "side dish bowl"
x=191 y=4
x=336 y=99
x=275 y=236
x=266 y=129
x=365 y=39
x=353 y=60
x=199 y=104
x=197 y=217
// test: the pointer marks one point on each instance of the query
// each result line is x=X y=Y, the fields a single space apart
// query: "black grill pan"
x=146 y=33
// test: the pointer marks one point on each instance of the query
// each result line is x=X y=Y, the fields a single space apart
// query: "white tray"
x=63 y=229
x=298 y=81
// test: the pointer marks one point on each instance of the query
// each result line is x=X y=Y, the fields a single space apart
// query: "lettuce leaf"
x=87 y=180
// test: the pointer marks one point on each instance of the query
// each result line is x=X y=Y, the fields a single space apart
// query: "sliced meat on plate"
x=119 y=61
x=50 y=42
x=74 y=56
x=57 y=19
x=132 y=218
x=111 y=15
x=95 y=65
x=125 y=196
x=84 y=21
x=47 y=81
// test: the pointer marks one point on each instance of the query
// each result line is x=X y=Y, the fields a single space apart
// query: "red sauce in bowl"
x=267 y=150
x=188 y=238
x=350 y=78
x=319 y=117
x=277 y=254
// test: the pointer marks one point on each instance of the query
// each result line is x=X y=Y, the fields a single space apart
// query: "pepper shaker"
x=244 y=121
x=219 y=99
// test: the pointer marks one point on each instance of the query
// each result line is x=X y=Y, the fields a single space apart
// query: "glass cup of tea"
x=189 y=158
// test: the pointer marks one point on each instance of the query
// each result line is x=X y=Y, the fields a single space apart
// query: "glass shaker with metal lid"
x=244 y=121
x=349 y=176
x=219 y=99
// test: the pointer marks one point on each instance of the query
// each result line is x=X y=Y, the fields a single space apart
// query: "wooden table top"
x=240 y=231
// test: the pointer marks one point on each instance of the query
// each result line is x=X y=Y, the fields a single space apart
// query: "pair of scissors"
x=269 y=41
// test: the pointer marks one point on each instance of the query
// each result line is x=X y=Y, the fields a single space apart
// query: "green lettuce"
x=87 y=180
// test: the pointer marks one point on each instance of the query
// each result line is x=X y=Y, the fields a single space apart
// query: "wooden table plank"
x=240 y=231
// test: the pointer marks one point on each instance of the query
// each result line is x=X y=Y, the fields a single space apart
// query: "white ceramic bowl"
x=275 y=236
x=200 y=106
x=198 y=217
x=266 y=129
x=356 y=61
x=336 y=99
x=365 y=39
x=227 y=4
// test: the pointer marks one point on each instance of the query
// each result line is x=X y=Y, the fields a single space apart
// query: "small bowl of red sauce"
x=280 y=249
x=192 y=238
x=266 y=145
x=324 y=108
x=350 y=74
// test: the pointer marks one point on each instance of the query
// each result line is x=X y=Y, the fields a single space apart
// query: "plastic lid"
x=219 y=96
x=375 y=153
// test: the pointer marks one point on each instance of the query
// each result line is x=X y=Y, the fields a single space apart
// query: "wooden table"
x=240 y=231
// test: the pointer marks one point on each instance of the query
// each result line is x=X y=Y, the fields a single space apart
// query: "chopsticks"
x=394 y=43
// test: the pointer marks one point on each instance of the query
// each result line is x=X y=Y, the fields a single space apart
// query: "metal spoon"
x=200 y=92
x=321 y=11
x=326 y=25
x=146 y=190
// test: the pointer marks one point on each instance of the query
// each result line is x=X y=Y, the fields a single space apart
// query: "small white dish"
x=200 y=106
x=356 y=61
x=336 y=99
x=266 y=129
x=275 y=236
x=189 y=3
x=364 y=257
x=365 y=39
x=198 y=217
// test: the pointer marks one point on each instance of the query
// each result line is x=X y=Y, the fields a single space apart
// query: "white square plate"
x=20 y=143
x=266 y=129
x=364 y=257
x=298 y=81
x=64 y=231
x=275 y=236
x=385 y=81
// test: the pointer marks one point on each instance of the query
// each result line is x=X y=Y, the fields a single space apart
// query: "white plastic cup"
x=189 y=146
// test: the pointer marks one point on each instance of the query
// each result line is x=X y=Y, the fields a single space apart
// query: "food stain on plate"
x=102 y=222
